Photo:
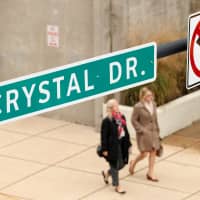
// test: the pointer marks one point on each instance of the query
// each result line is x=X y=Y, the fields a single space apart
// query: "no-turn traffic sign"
x=193 y=58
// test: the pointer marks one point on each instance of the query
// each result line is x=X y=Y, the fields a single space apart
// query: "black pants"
x=115 y=167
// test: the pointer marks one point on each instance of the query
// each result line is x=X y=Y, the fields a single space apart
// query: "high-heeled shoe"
x=104 y=178
x=120 y=192
x=151 y=179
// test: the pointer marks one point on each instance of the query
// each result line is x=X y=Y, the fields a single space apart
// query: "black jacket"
x=110 y=142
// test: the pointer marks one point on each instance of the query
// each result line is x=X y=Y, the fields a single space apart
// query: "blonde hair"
x=109 y=106
x=143 y=92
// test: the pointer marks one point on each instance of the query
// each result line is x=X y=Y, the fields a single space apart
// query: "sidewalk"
x=45 y=159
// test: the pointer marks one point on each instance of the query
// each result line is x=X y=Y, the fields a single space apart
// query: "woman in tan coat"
x=144 y=120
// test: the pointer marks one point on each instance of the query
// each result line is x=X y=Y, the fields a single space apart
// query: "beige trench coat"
x=147 y=128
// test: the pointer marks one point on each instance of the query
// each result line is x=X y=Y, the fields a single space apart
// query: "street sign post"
x=193 y=57
x=70 y=84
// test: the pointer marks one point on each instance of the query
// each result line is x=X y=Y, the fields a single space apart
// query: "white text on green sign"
x=48 y=90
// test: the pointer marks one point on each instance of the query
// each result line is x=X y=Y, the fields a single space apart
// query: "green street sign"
x=74 y=83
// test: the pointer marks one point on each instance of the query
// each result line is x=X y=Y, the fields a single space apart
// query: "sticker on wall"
x=52 y=36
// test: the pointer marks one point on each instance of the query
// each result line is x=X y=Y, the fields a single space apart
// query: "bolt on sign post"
x=193 y=52
x=74 y=83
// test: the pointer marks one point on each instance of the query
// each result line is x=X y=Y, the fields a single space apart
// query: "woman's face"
x=115 y=106
x=148 y=97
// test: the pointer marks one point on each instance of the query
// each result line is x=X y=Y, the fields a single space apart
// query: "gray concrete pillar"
x=102 y=44
x=119 y=28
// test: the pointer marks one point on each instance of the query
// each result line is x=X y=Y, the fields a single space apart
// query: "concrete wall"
x=23 y=40
x=176 y=115
x=23 y=46
x=157 y=20
x=87 y=28
x=146 y=21
x=102 y=41
x=75 y=19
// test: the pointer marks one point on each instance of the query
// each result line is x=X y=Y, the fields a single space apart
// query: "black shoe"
x=104 y=178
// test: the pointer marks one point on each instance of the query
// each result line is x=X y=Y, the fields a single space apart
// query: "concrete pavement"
x=46 y=159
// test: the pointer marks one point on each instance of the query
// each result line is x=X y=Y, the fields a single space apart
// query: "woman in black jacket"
x=115 y=142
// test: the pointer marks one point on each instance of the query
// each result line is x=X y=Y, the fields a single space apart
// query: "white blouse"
x=149 y=107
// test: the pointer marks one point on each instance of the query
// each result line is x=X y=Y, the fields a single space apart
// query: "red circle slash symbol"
x=192 y=60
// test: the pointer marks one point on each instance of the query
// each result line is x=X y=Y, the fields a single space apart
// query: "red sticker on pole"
x=193 y=62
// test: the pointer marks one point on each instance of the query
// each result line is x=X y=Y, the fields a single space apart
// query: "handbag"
x=99 y=151
x=160 y=151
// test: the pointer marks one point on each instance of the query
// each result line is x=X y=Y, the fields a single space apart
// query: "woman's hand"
x=105 y=153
